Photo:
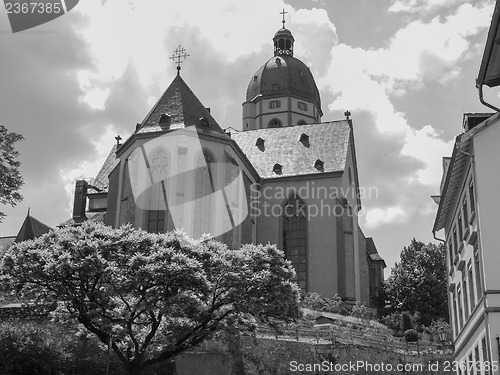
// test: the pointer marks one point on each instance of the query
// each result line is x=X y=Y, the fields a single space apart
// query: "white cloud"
x=416 y=6
x=91 y=166
x=364 y=80
x=381 y=216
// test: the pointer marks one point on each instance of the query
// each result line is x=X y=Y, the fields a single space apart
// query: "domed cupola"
x=282 y=92
x=283 y=42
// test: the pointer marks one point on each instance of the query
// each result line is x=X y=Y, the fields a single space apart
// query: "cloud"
x=417 y=6
x=384 y=215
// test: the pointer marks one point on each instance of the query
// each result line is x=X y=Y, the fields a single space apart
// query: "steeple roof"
x=182 y=108
x=31 y=229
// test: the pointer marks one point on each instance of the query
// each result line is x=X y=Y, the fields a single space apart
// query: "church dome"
x=284 y=75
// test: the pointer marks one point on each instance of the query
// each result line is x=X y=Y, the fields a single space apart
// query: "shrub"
x=313 y=301
x=359 y=310
x=406 y=321
x=392 y=321
x=24 y=349
x=410 y=335
x=332 y=304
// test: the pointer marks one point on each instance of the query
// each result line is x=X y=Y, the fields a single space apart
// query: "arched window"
x=203 y=187
x=156 y=212
x=295 y=238
x=274 y=123
x=301 y=122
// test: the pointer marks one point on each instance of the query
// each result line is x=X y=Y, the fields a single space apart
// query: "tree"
x=418 y=283
x=10 y=178
x=146 y=294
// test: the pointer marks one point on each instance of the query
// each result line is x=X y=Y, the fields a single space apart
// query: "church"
x=286 y=178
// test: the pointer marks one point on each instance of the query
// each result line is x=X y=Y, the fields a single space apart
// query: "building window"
x=479 y=286
x=455 y=313
x=302 y=106
x=459 y=303
x=466 y=300
x=450 y=254
x=460 y=228
x=477 y=359
x=484 y=350
x=156 y=210
x=203 y=189
x=295 y=238
x=275 y=123
x=471 y=286
x=472 y=197
x=301 y=122
x=466 y=214
x=274 y=104
x=455 y=241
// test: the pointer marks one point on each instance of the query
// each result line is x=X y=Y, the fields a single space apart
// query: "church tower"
x=282 y=92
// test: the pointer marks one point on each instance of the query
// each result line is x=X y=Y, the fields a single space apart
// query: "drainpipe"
x=480 y=87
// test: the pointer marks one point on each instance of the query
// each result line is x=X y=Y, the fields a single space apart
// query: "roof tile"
x=328 y=141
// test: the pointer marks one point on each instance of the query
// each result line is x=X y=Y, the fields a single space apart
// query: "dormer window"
x=260 y=142
x=203 y=121
x=302 y=106
x=319 y=165
x=274 y=104
x=165 y=119
x=277 y=168
x=304 y=138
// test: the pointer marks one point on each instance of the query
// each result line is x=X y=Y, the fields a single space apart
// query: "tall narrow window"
x=460 y=228
x=484 y=350
x=203 y=189
x=450 y=254
x=460 y=310
x=455 y=241
x=465 y=212
x=156 y=213
x=479 y=286
x=466 y=301
x=295 y=238
x=455 y=313
x=471 y=286
x=472 y=197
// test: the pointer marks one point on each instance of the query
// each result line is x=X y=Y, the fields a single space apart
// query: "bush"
x=359 y=310
x=406 y=321
x=410 y=335
x=24 y=349
x=392 y=321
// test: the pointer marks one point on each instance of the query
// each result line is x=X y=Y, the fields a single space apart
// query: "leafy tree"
x=145 y=293
x=10 y=178
x=418 y=283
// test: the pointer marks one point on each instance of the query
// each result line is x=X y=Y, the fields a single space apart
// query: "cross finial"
x=283 y=13
x=178 y=57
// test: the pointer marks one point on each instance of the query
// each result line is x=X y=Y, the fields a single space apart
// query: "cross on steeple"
x=178 y=57
x=283 y=13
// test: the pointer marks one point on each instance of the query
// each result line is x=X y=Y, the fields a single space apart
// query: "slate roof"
x=328 y=142
x=185 y=110
x=31 y=229
x=91 y=216
x=102 y=181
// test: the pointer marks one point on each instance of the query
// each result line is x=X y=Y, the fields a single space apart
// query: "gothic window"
x=295 y=238
x=156 y=210
x=203 y=189
x=275 y=123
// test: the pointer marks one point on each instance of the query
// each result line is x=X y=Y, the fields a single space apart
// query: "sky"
x=405 y=69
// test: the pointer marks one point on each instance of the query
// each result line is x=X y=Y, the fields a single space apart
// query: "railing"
x=334 y=335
